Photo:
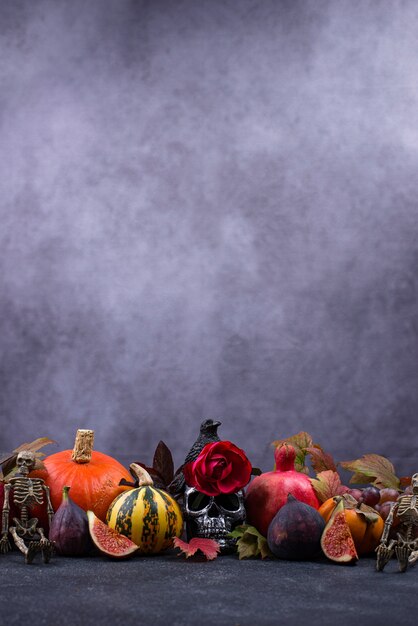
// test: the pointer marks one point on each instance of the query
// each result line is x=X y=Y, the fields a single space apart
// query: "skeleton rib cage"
x=408 y=509
x=27 y=492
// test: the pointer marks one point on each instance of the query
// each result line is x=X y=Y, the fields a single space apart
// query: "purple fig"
x=69 y=528
x=295 y=531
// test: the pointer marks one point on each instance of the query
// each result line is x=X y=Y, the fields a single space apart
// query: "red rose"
x=221 y=467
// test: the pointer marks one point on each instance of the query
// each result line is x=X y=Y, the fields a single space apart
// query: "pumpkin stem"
x=83 y=446
x=144 y=479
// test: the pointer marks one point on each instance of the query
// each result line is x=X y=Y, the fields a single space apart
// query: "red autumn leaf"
x=321 y=460
x=327 y=485
x=405 y=481
x=209 y=547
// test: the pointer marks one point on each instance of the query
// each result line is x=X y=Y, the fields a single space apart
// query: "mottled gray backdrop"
x=209 y=209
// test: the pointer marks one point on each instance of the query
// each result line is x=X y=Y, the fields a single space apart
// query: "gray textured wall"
x=209 y=209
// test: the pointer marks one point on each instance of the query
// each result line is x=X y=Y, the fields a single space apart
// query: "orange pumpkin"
x=365 y=524
x=93 y=476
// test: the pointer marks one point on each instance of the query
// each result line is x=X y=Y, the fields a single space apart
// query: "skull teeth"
x=216 y=528
x=212 y=534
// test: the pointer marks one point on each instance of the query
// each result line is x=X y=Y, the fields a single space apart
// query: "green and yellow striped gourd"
x=150 y=517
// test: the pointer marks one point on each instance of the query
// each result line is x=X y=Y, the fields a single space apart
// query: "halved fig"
x=336 y=541
x=107 y=540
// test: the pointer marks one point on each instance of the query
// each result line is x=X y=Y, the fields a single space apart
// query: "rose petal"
x=221 y=467
x=230 y=486
x=215 y=464
x=219 y=470
x=206 y=465
x=202 y=470
x=227 y=470
x=208 y=489
x=235 y=481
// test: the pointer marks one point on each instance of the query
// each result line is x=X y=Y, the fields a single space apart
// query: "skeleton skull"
x=213 y=517
x=25 y=462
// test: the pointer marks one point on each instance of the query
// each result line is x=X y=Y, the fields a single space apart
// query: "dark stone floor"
x=172 y=591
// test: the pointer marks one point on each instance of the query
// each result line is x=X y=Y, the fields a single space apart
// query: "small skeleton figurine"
x=406 y=545
x=26 y=493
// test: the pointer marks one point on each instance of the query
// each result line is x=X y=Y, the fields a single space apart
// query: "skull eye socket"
x=198 y=501
x=230 y=502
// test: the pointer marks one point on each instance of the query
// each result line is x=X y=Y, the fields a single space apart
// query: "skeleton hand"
x=383 y=556
x=413 y=557
x=402 y=552
x=4 y=544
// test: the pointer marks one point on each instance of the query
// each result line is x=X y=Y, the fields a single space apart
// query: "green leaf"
x=372 y=468
x=263 y=546
x=302 y=440
x=250 y=543
x=247 y=547
x=360 y=479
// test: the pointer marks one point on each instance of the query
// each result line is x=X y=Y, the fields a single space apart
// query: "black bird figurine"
x=208 y=434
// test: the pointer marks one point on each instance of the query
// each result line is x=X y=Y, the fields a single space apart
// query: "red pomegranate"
x=267 y=493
